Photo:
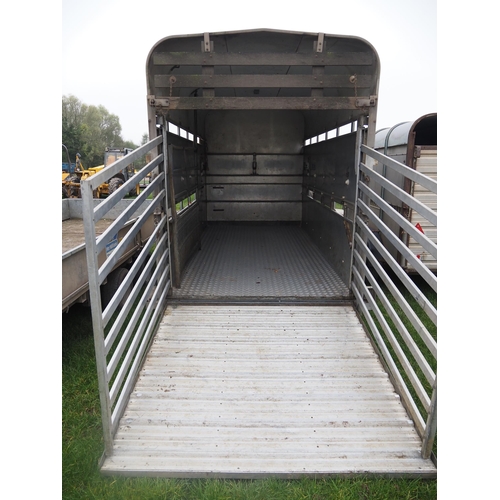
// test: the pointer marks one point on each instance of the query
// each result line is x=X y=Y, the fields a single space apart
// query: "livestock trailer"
x=251 y=341
x=413 y=143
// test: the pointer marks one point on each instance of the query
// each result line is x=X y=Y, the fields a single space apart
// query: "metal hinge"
x=207 y=45
x=318 y=45
x=158 y=102
x=365 y=102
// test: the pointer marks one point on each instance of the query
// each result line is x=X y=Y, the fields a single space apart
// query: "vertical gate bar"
x=153 y=134
x=151 y=120
x=96 y=308
x=357 y=159
x=362 y=138
x=199 y=175
x=166 y=188
x=431 y=424
x=372 y=124
x=207 y=70
x=174 y=260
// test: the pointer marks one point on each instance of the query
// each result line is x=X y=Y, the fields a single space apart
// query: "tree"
x=72 y=119
x=100 y=129
x=130 y=145
x=89 y=130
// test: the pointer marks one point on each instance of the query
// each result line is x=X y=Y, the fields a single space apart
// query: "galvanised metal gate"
x=122 y=335
x=379 y=285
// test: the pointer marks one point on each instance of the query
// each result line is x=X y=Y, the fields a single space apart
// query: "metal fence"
x=395 y=306
x=389 y=300
x=124 y=326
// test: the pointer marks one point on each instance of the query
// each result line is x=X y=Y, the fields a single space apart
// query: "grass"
x=83 y=446
x=185 y=203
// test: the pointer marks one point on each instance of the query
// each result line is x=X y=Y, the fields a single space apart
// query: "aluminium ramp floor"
x=258 y=391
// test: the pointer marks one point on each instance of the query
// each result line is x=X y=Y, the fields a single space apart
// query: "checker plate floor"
x=259 y=262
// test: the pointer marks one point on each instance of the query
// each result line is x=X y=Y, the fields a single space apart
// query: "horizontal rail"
x=262 y=59
x=402 y=169
x=124 y=217
x=417 y=235
x=421 y=300
x=131 y=277
x=293 y=103
x=318 y=196
x=261 y=81
x=123 y=399
x=106 y=205
x=405 y=335
x=161 y=256
x=129 y=331
x=420 y=328
x=424 y=271
x=106 y=173
x=110 y=262
x=398 y=379
x=400 y=355
x=406 y=198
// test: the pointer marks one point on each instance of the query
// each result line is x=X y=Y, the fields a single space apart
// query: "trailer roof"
x=424 y=128
x=333 y=79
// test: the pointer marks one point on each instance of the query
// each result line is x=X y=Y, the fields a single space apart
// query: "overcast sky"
x=105 y=44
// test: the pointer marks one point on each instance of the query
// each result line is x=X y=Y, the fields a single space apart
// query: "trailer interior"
x=264 y=166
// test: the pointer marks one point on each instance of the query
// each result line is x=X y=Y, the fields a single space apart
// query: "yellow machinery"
x=110 y=156
x=71 y=181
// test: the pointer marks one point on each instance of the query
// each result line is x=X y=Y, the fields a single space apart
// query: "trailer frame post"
x=97 y=321
x=166 y=170
x=431 y=425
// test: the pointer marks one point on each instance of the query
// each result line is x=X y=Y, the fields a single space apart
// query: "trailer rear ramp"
x=242 y=391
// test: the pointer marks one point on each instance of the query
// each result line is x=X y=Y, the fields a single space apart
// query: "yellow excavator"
x=110 y=156
x=71 y=179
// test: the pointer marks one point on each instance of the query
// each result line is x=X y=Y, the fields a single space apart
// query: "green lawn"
x=82 y=447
